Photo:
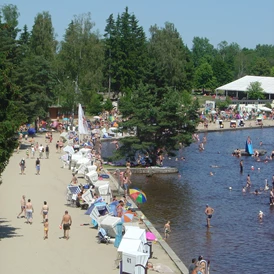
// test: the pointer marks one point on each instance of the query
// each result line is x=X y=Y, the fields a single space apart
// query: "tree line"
x=36 y=70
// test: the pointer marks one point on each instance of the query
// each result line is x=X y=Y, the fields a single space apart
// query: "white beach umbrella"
x=213 y=111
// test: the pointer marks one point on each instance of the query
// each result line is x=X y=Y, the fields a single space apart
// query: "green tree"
x=170 y=64
x=223 y=105
x=202 y=51
x=161 y=122
x=204 y=77
x=10 y=115
x=260 y=67
x=80 y=61
x=255 y=91
x=272 y=72
x=125 y=51
x=42 y=41
x=108 y=105
x=221 y=71
x=36 y=80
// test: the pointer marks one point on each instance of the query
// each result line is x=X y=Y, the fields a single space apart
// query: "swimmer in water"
x=266 y=187
x=211 y=173
x=241 y=166
x=261 y=215
x=248 y=181
x=256 y=192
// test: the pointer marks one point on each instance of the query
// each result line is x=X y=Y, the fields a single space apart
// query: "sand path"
x=22 y=247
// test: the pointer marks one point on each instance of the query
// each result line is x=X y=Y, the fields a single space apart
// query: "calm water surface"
x=238 y=242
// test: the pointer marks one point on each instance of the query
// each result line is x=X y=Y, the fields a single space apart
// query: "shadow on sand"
x=7 y=231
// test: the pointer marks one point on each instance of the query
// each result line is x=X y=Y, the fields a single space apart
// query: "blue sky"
x=246 y=22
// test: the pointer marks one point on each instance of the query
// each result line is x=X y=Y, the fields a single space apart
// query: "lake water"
x=237 y=242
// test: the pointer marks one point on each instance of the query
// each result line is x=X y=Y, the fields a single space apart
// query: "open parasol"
x=137 y=195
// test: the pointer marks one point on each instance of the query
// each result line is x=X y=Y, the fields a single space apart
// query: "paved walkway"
x=23 y=249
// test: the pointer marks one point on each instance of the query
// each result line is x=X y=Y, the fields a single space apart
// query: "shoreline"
x=149 y=226
x=251 y=124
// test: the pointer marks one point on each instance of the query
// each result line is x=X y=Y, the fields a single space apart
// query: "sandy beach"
x=23 y=249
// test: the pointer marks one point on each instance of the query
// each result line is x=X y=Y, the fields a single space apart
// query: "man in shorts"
x=167 y=229
x=29 y=211
x=66 y=223
x=208 y=212
x=23 y=207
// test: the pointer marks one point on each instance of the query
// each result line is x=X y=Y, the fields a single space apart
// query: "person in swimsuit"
x=66 y=223
x=241 y=166
x=167 y=229
x=248 y=181
x=45 y=211
x=23 y=207
x=208 y=212
x=46 y=229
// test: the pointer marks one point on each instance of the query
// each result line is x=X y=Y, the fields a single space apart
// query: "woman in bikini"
x=45 y=211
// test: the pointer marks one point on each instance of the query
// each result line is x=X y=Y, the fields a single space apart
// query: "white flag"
x=82 y=122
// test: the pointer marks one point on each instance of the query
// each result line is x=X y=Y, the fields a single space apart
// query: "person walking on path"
x=46 y=229
x=23 y=207
x=167 y=230
x=47 y=151
x=32 y=152
x=41 y=151
x=45 y=211
x=22 y=165
x=29 y=211
x=208 y=212
x=66 y=223
x=37 y=166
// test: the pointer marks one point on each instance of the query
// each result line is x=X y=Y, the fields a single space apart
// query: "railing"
x=251 y=102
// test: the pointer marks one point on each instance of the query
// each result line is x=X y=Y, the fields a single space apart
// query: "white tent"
x=243 y=83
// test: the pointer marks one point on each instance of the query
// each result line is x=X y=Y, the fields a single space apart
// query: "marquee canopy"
x=267 y=83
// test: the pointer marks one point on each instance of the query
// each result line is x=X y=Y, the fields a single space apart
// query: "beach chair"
x=72 y=192
x=91 y=177
x=105 y=193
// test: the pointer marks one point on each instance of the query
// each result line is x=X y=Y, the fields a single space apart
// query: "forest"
x=37 y=70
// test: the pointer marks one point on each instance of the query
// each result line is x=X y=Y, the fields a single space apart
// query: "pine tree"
x=161 y=122
x=10 y=115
